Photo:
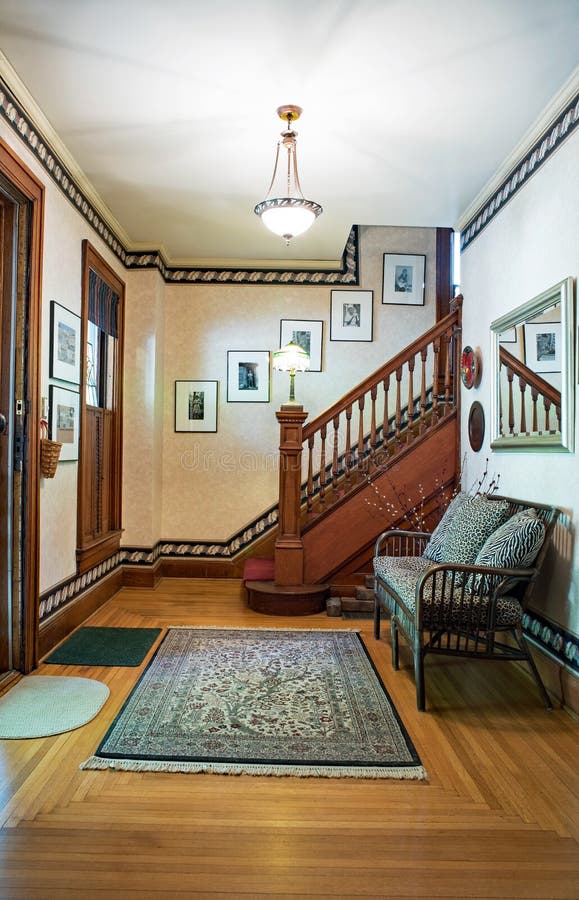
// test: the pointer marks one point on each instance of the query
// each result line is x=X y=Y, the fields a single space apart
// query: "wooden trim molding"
x=17 y=174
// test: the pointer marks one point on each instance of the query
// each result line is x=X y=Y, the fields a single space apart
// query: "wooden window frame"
x=93 y=548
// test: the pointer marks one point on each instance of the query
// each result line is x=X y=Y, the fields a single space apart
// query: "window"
x=99 y=475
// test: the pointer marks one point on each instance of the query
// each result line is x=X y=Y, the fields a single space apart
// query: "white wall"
x=529 y=246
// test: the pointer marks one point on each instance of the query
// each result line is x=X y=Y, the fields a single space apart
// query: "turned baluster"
x=373 y=395
x=310 y=487
x=558 y=414
x=386 y=420
x=436 y=351
x=501 y=432
x=522 y=387
x=547 y=405
x=534 y=398
x=361 y=432
x=398 y=418
x=422 y=425
x=447 y=381
x=323 y=465
x=510 y=376
x=348 y=453
x=335 y=454
x=410 y=414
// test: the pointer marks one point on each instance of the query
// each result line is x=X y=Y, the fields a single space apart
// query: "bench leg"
x=394 y=642
x=520 y=638
x=419 y=678
x=376 y=618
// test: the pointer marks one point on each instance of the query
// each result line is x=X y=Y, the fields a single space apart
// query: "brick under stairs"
x=361 y=602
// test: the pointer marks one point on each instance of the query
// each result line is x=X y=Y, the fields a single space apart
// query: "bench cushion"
x=508 y=610
x=413 y=565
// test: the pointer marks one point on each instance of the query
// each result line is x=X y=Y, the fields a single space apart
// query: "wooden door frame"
x=27 y=185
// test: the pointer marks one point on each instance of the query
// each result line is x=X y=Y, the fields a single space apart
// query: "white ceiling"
x=168 y=106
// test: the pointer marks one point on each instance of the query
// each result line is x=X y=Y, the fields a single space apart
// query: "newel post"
x=289 y=551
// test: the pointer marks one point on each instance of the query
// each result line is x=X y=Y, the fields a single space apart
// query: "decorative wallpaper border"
x=14 y=113
x=539 y=153
x=69 y=590
x=555 y=640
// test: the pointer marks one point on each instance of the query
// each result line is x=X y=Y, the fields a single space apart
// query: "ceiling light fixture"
x=285 y=211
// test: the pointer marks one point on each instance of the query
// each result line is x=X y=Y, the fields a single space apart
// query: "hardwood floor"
x=499 y=817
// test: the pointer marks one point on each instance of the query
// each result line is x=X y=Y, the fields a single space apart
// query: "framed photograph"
x=64 y=420
x=248 y=376
x=403 y=282
x=196 y=406
x=542 y=346
x=64 y=344
x=509 y=336
x=351 y=315
x=308 y=334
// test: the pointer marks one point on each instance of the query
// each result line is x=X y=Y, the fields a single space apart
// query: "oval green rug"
x=41 y=705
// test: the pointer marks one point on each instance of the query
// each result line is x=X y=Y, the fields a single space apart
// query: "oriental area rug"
x=260 y=702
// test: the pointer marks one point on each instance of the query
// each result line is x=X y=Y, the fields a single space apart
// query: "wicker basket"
x=49 y=456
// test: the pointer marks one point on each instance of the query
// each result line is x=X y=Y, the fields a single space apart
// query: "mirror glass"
x=533 y=395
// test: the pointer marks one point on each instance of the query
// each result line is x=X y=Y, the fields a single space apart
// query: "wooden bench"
x=457 y=608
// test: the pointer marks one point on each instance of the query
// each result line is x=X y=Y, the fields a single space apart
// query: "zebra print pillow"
x=433 y=549
x=514 y=545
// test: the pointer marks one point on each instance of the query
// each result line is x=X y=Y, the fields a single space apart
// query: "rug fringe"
x=409 y=773
x=320 y=630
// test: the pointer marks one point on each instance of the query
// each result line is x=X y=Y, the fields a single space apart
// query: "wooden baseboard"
x=142 y=576
x=54 y=629
x=200 y=568
x=559 y=681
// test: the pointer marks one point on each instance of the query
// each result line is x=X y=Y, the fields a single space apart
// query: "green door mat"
x=105 y=647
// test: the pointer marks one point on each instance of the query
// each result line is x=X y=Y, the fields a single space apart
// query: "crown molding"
x=52 y=139
x=23 y=115
x=559 y=109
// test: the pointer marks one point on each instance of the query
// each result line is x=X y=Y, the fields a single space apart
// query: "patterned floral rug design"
x=261 y=702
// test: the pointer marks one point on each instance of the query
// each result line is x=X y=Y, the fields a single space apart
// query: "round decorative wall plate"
x=476 y=426
x=470 y=367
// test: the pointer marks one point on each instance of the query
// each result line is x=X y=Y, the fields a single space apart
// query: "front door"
x=21 y=224
x=8 y=231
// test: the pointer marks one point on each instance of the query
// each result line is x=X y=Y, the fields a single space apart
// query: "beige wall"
x=214 y=484
x=64 y=231
x=528 y=247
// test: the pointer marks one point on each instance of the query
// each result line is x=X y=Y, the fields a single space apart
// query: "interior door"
x=8 y=223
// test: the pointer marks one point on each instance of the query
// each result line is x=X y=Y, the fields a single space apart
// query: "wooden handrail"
x=530 y=378
x=389 y=368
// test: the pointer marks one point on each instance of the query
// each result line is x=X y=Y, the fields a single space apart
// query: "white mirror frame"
x=561 y=293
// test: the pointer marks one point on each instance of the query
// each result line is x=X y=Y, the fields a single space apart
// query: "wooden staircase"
x=383 y=456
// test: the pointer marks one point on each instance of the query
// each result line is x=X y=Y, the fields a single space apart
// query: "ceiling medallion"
x=285 y=211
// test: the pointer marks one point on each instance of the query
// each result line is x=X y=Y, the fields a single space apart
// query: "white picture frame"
x=543 y=346
x=64 y=406
x=196 y=404
x=351 y=315
x=403 y=279
x=65 y=348
x=308 y=333
x=248 y=376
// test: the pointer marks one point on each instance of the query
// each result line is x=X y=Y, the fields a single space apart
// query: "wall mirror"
x=533 y=374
